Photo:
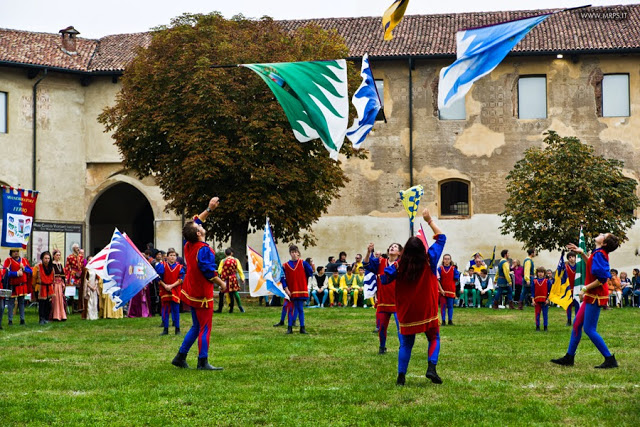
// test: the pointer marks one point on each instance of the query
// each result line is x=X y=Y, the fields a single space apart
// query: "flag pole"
x=575 y=8
x=224 y=66
x=384 y=117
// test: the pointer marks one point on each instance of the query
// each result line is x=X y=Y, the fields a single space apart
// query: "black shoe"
x=537 y=328
x=545 y=329
x=609 y=362
x=303 y=330
x=241 y=309
x=203 y=365
x=400 y=380
x=180 y=360
x=568 y=323
x=218 y=311
x=10 y=323
x=231 y=310
x=177 y=331
x=566 y=360
x=278 y=324
x=382 y=350
x=165 y=331
x=289 y=330
x=450 y=323
x=432 y=374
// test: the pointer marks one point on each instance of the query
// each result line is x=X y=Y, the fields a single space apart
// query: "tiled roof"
x=417 y=35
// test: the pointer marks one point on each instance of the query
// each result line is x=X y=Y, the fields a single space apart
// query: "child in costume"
x=334 y=283
x=171 y=277
x=449 y=275
x=570 y=268
x=540 y=288
x=596 y=295
x=197 y=289
x=294 y=281
x=386 y=295
x=416 y=292
x=230 y=270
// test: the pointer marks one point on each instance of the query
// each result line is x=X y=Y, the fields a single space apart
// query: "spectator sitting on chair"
x=331 y=264
x=333 y=286
x=636 y=284
x=484 y=286
x=615 y=287
x=468 y=285
x=342 y=262
x=627 y=288
x=319 y=292
x=356 y=287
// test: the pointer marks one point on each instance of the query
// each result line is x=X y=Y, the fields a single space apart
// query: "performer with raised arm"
x=416 y=294
x=386 y=306
x=595 y=294
x=197 y=289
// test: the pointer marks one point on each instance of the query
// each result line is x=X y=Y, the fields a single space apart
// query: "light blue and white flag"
x=370 y=285
x=272 y=268
x=367 y=103
x=479 y=51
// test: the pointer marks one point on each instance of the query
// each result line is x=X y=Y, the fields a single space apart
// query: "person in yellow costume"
x=356 y=287
x=335 y=283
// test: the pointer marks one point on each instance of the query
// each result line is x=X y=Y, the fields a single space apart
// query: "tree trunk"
x=239 y=242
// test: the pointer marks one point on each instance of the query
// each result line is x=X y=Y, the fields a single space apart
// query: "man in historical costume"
x=230 y=270
x=171 y=277
x=197 y=289
x=503 y=281
x=294 y=281
x=19 y=272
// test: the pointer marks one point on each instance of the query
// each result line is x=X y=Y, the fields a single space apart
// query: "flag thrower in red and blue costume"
x=123 y=269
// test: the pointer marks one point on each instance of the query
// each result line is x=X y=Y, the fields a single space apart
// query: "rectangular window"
x=615 y=95
x=3 y=112
x=455 y=111
x=532 y=97
x=380 y=89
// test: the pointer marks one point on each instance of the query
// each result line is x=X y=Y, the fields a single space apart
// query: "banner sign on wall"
x=18 y=209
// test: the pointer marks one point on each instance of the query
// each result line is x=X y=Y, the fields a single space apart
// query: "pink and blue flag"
x=123 y=269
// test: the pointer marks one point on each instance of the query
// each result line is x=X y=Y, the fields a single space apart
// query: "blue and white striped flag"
x=367 y=103
x=370 y=285
x=271 y=268
x=479 y=51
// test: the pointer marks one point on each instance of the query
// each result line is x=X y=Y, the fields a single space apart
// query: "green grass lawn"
x=495 y=368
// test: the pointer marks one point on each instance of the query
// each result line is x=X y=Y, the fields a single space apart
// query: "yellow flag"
x=411 y=199
x=393 y=16
x=561 y=290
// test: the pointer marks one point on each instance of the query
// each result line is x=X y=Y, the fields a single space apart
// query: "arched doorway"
x=125 y=207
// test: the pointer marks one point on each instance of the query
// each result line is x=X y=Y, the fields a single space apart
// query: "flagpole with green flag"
x=581 y=266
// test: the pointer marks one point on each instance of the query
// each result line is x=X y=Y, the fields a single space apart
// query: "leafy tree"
x=555 y=190
x=202 y=131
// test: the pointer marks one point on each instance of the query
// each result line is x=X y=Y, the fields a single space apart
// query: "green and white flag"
x=581 y=266
x=313 y=95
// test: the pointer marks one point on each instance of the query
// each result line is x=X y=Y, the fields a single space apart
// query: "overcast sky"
x=95 y=19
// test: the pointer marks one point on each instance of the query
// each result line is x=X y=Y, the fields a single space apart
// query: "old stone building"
x=577 y=74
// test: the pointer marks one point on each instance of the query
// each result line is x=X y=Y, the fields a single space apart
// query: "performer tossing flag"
x=366 y=100
x=313 y=95
x=393 y=16
x=479 y=51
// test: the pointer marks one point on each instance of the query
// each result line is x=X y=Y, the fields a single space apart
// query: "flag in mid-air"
x=479 y=51
x=411 y=199
x=561 y=290
x=123 y=269
x=581 y=267
x=366 y=100
x=271 y=267
x=314 y=97
x=393 y=16
x=370 y=285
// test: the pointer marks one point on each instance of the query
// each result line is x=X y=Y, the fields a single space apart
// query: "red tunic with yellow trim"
x=229 y=274
x=18 y=284
x=386 y=293
x=417 y=303
x=46 y=282
x=197 y=291
x=541 y=288
x=448 y=280
x=296 y=280
x=171 y=275
x=597 y=270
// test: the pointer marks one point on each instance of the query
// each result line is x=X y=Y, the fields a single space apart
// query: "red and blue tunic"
x=296 y=278
x=170 y=274
x=571 y=274
x=541 y=289
x=386 y=294
x=18 y=284
x=598 y=269
x=448 y=277
x=197 y=288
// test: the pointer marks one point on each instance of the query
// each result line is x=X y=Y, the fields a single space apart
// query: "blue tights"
x=298 y=311
x=406 y=345
x=587 y=317
x=448 y=304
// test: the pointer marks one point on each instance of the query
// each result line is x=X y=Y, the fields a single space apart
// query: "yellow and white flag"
x=411 y=199
x=393 y=16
